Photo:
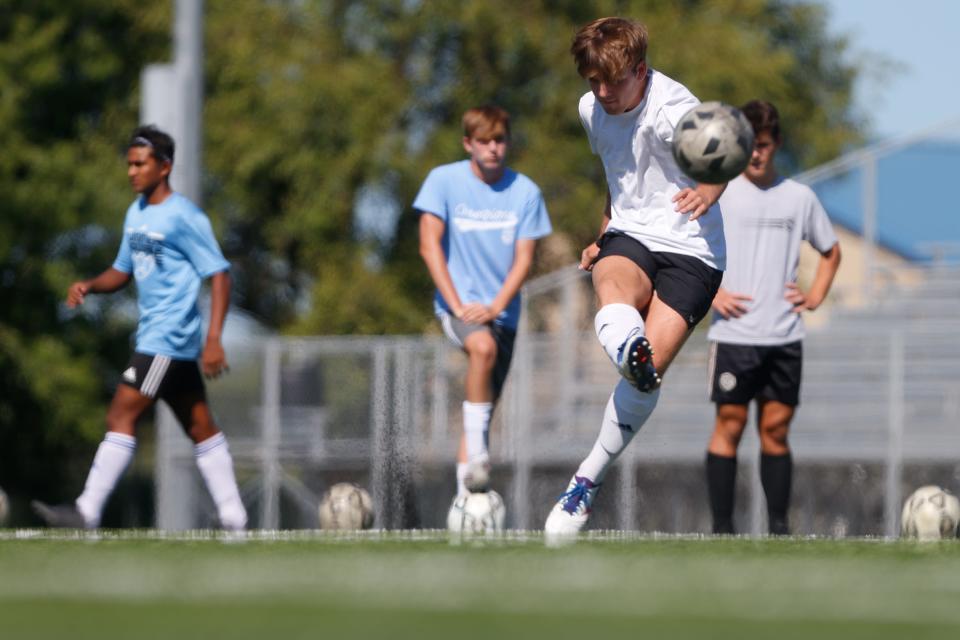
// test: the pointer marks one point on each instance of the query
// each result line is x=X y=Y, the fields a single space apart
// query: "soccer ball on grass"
x=713 y=142
x=346 y=507
x=480 y=513
x=930 y=513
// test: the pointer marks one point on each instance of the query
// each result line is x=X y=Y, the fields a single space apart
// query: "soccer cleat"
x=636 y=363
x=477 y=477
x=723 y=527
x=62 y=516
x=779 y=527
x=571 y=512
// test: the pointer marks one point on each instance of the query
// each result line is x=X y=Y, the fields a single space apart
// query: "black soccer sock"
x=776 y=473
x=721 y=485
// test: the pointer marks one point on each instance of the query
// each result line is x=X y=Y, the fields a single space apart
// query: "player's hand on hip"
x=691 y=201
x=796 y=297
x=729 y=304
x=213 y=361
x=589 y=256
x=76 y=294
x=476 y=313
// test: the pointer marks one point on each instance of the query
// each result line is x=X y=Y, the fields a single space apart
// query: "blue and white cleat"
x=636 y=363
x=570 y=514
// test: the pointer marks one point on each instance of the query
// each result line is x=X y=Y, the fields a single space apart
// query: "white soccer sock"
x=627 y=410
x=476 y=426
x=461 y=474
x=216 y=467
x=113 y=456
x=614 y=323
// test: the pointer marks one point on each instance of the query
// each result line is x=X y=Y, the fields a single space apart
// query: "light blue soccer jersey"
x=483 y=223
x=170 y=249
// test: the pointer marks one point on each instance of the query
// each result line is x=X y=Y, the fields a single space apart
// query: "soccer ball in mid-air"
x=4 y=508
x=477 y=513
x=346 y=507
x=930 y=513
x=713 y=142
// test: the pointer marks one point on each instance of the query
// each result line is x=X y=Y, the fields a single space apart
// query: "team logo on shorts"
x=727 y=381
x=130 y=375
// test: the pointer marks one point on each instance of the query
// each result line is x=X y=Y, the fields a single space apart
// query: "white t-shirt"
x=764 y=230
x=643 y=177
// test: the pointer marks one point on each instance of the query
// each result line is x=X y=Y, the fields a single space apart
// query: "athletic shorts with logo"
x=684 y=283
x=162 y=376
x=457 y=331
x=740 y=373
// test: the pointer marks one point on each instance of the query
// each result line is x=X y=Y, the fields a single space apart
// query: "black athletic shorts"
x=739 y=373
x=684 y=283
x=162 y=376
x=457 y=331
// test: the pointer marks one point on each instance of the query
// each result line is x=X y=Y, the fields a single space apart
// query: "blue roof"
x=918 y=208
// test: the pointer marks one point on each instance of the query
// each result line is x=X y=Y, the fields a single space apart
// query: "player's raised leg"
x=111 y=460
x=473 y=458
x=213 y=457
x=776 y=463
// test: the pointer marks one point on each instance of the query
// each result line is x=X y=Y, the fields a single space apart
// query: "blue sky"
x=923 y=36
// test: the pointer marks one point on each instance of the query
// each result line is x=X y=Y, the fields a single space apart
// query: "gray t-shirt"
x=764 y=229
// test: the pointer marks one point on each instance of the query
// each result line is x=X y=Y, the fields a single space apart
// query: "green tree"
x=66 y=72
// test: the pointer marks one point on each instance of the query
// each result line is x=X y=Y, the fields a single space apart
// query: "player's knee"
x=118 y=422
x=483 y=348
x=200 y=431
x=728 y=434
x=774 y=436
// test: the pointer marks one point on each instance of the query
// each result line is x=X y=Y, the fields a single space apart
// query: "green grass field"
x=419 y=585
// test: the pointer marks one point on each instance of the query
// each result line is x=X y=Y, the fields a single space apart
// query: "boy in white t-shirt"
x=660 y=257
x=757 y=327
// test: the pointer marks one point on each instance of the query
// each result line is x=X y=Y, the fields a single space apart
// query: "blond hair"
x=486 y=122
x=607 y=48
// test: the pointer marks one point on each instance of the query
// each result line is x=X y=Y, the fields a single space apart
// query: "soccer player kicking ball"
x=478 y=229
x=757 y=325
x=169 y=248
x=659 y=259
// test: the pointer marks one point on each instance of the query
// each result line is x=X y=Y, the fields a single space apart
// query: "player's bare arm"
x=431 y=250
x=826 y=271
x=698 y=200
x=522 y=260
x=730 y=304
x=213 y=360
x=107 y=282
x=589 y=255
x=478 y=313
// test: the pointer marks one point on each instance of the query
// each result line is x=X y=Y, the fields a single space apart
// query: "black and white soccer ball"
x=713 y=143
x=930 y=513
x=480 y=513
x=346 y=507
x=4 y=508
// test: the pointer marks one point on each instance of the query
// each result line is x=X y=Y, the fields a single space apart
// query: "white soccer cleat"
x=569 y=516
x=477 y=477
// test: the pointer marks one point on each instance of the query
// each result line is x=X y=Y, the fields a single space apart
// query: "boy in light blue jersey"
x=478 y=231
x=169 y=248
